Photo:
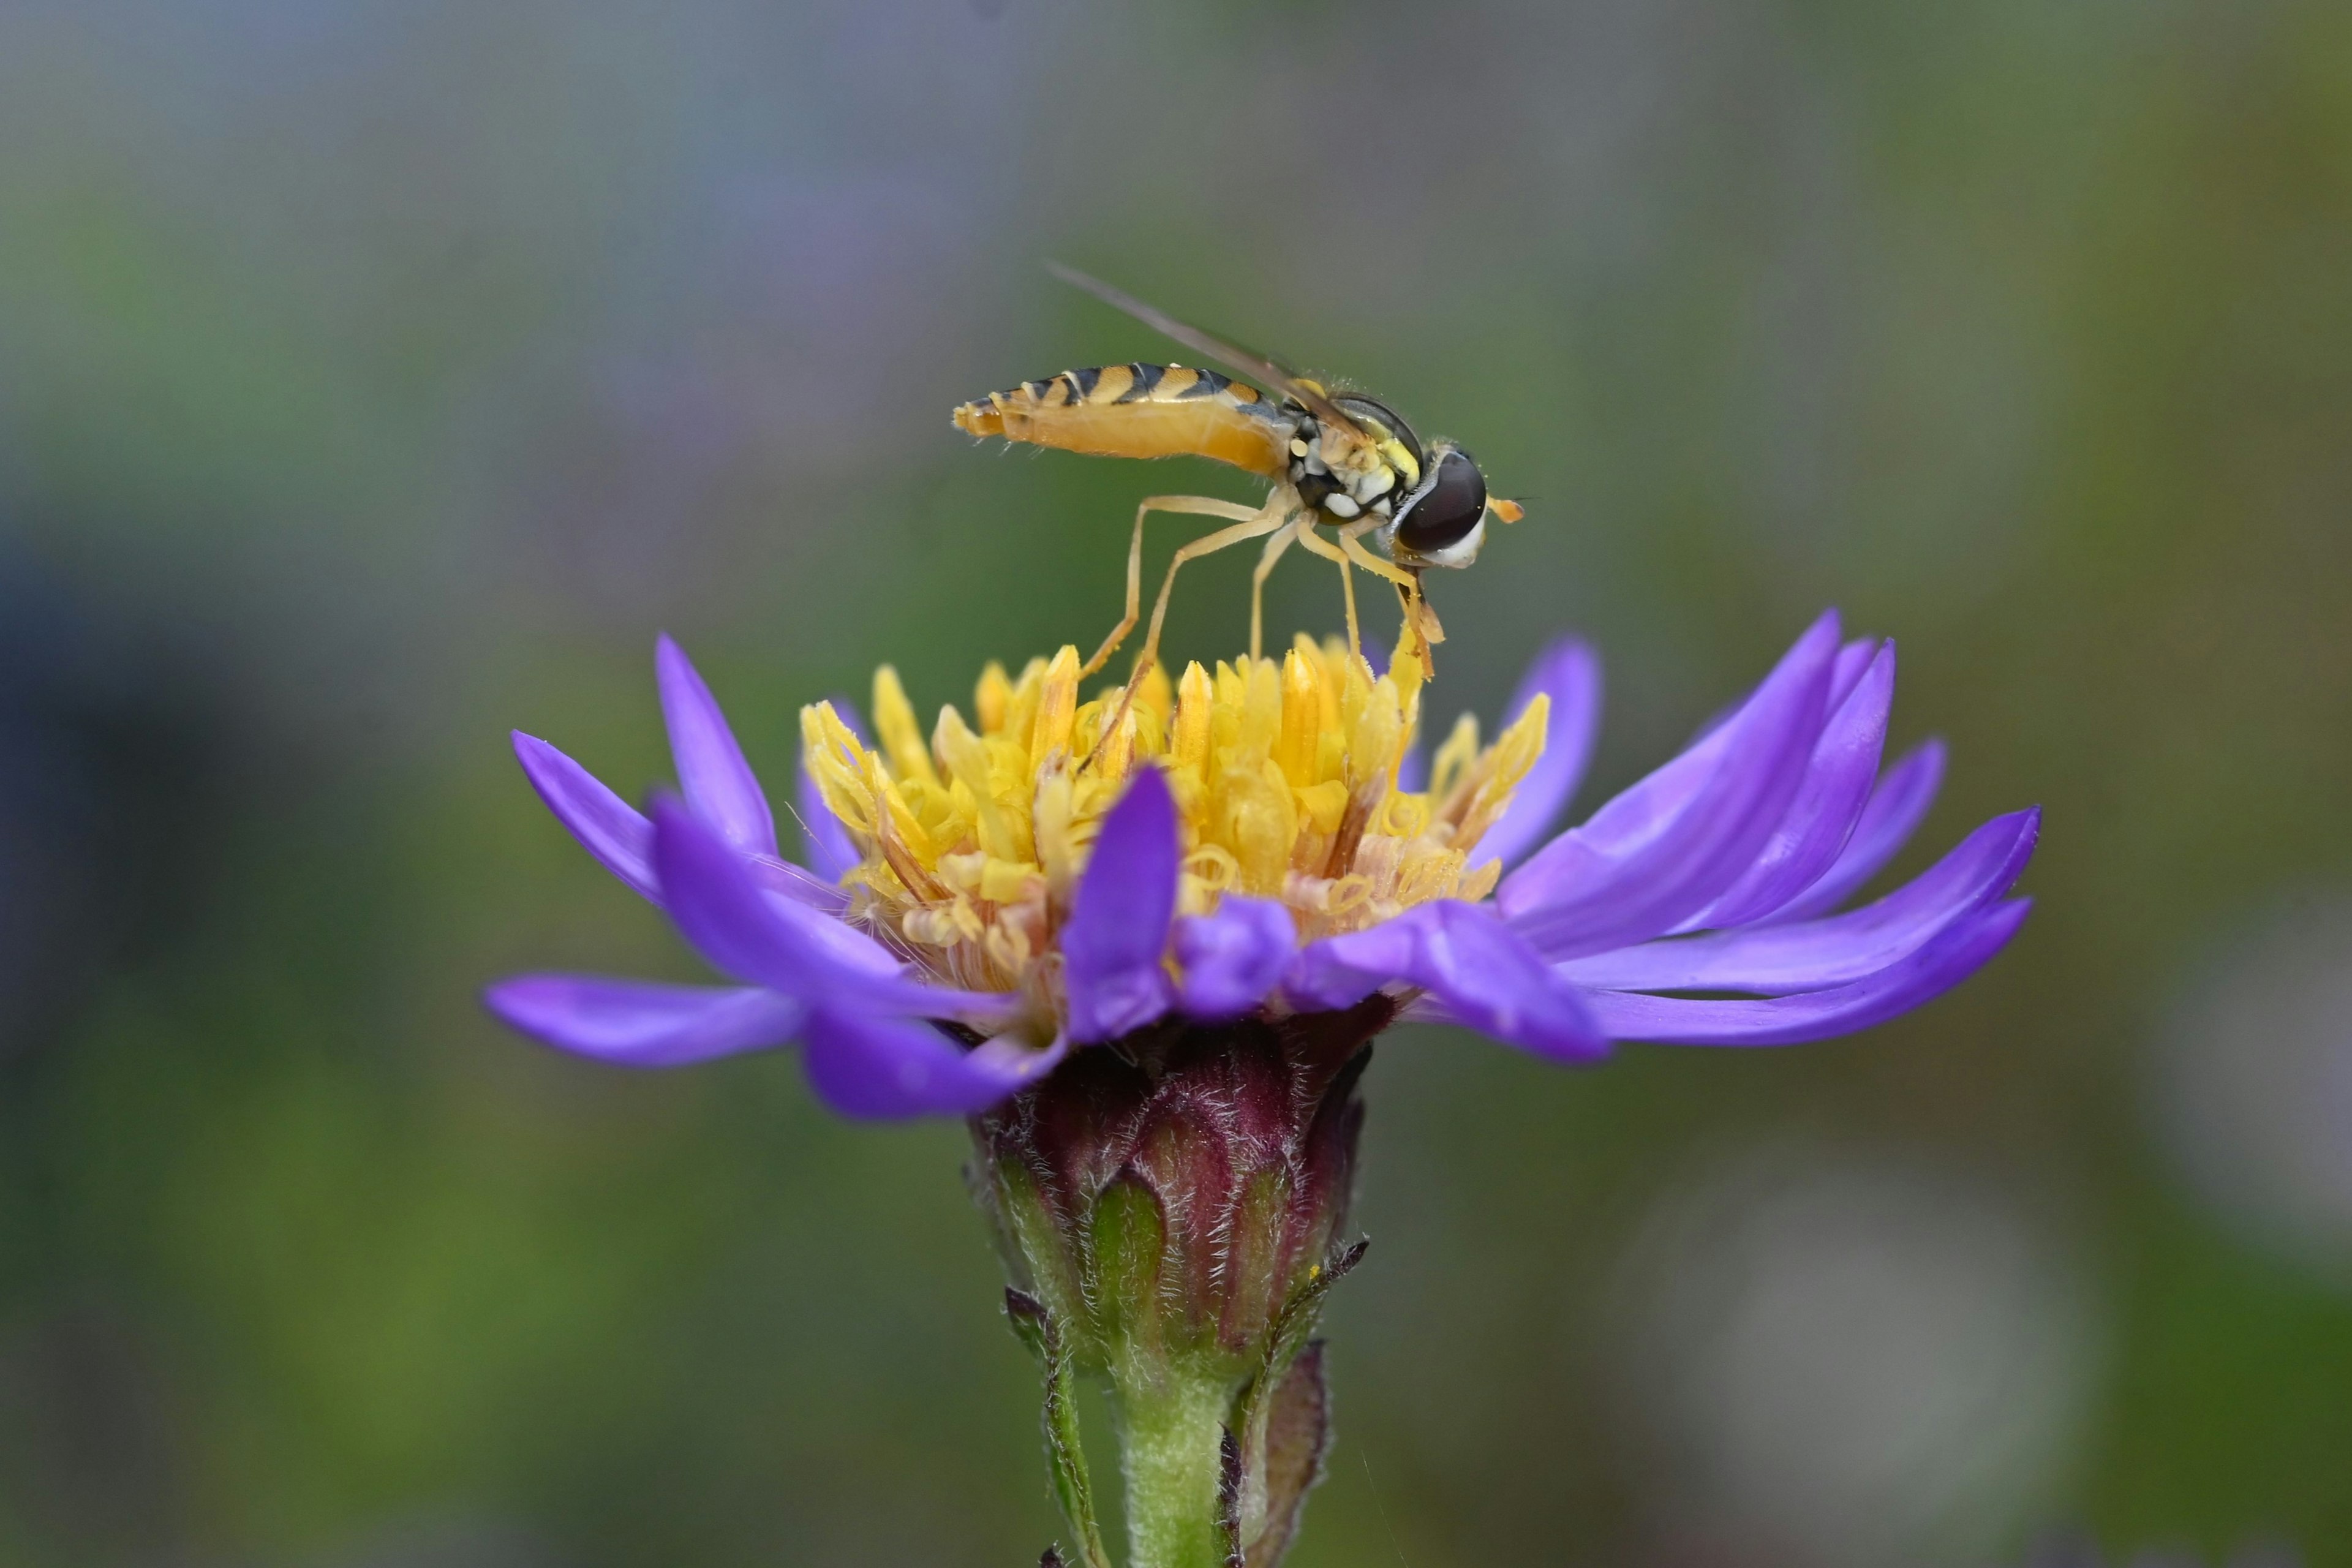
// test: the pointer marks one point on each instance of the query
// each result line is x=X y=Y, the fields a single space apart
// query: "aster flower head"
x=1144 y=943
x=1053 y=874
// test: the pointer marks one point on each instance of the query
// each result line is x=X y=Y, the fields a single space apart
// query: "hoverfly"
x=1337 y=460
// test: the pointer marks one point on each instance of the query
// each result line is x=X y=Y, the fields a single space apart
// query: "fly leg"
x=1199 y=506
x=1330 y=552
x=1266 y=519
x=1418 y=615
x=1255 y=525
x=1298 y=529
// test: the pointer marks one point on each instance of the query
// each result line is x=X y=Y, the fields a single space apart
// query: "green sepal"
x=1254 y=1247
x=1032 y=1234
x=1128 y=1239
x=1065 y=1454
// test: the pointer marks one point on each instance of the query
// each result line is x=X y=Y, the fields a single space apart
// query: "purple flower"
x=864 y=1019
x=1246 y=843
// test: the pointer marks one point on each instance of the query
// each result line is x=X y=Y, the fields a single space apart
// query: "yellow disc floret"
x=1285 y=776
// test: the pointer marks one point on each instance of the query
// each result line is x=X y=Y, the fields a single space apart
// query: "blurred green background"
x=375 y=377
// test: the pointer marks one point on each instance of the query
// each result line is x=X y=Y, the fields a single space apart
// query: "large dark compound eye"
x=1442 y=514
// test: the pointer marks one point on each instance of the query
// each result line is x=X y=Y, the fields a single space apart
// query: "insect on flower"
x=1337 y=459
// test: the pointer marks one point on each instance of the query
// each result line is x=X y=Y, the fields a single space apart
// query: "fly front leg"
x=1417 y=612
x=1350 y=541
x=1199 y=506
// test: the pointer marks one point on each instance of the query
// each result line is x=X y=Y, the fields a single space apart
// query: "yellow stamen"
x=966 y=755
x=1018 y=716
x=1284 y=775
x=1057 y=707
x=990 y=696
x=1302 y=717
x=1056 y=847
x=1496 y=774
x=1194 y=699
x=1451 y=766
x=894 y=722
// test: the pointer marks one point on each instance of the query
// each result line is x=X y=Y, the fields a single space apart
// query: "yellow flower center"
x=1284 y=778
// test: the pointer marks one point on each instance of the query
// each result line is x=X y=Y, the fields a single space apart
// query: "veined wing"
x=1240 y=361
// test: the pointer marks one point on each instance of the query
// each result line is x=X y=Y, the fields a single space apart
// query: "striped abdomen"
x=1140 y=411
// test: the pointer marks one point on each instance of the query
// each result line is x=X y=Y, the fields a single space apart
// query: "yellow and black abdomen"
x=1140 y=411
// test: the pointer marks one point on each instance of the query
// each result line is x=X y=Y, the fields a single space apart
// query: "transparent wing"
x=1240 y=361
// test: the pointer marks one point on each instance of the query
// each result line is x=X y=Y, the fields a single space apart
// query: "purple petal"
x=1232 y=960
x=1672 y=843
x=1852 y=660
x=1487 y=975
x=787 y=946
x=1116 y=937
x=637 y=1024
x=1820 y=820
x=824 y=842
x=890 y=1068
x=718 y=782
x=1568 y=674
x=1903 y=794
x=1816 y=955
x=1817 y=1015
x=607 y=826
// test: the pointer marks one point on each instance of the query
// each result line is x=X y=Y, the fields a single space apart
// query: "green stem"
x=1173 y=1434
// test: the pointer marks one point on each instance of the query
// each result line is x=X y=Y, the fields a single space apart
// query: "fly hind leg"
x=1199 y=506
x=1257 y=525
x=1299 y=528
x=1274 y=515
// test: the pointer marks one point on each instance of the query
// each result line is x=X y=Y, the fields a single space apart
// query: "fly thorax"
x=1342 y=475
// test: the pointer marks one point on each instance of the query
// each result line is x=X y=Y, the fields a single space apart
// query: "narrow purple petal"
x=607 y=826
x=1852 y=659
x=1116 y=939
x=891 y=1068
x=711 y=771
x=1904 y=793
x=1487 y=975
x=1232 y=960
x=824 y=842
x=1317 y=981
x=806 y=955
x=1672 y=843
x=1816 y=1015
x=1816 y=955
x=637 y=1024
x=1822 y=818
x=1570 y=675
